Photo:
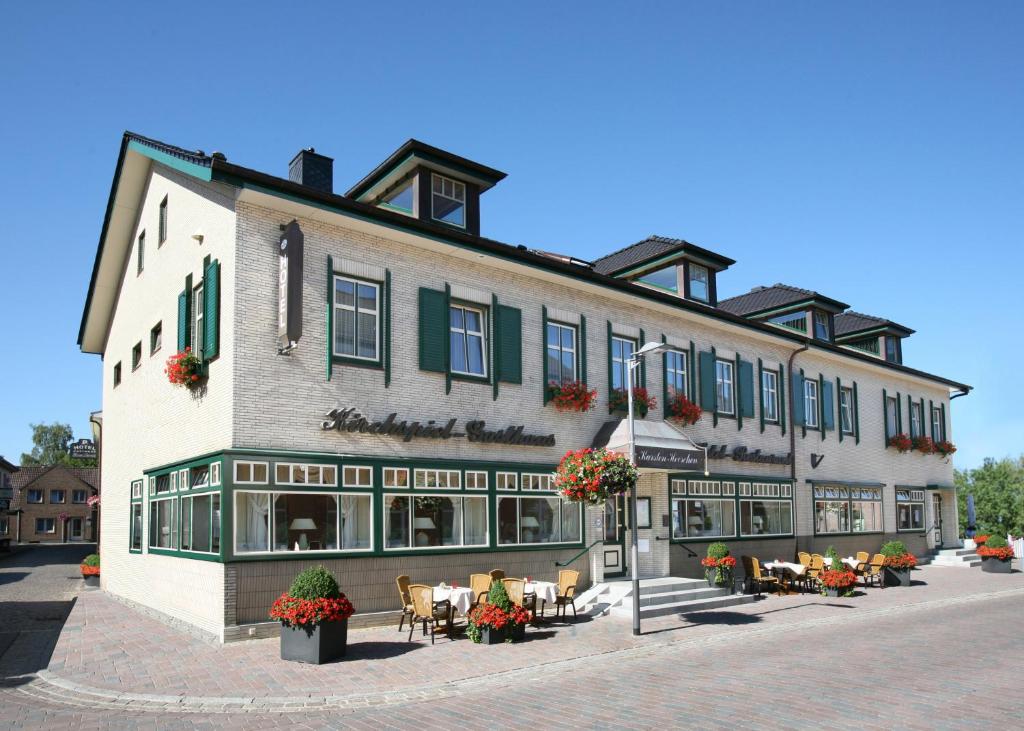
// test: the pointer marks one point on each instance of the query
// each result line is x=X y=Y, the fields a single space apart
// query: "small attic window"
x=792 y=320
x=821 y=328
x=699 y=282
x=402 y=198
x=448 y=201
x=664 y=278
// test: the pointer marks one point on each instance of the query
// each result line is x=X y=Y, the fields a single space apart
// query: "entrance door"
x=615 y=537
x=937 y=520
x=74 y=529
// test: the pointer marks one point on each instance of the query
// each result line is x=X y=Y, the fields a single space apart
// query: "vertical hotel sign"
x=289 y=285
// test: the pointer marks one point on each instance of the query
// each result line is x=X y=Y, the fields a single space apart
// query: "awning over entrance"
x=659 y=445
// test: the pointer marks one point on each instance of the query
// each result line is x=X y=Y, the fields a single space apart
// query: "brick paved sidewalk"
x=110 y=647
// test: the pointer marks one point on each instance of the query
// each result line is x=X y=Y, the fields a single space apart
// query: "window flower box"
x=571 y=396
x=314 y=618
x=185 y=369
x=944 y=448
x=924 y=445
x=642 y=401
x=683 y=411
x=902 y=443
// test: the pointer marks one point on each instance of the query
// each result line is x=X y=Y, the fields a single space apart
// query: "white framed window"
x=729 y=488
x=622 y=353
x=200 y=523
x=163 y=523
x=287 y=473
x=535 y=481
x=135 y=528
x=353 y=476
x=744 y=489
x=183 y=479
x=434 y=521
x=152 y=486
x=356 y=318
x=198 y=331
x=278 y=521
x=251 y=473
x=402 y=199
x=892 y=419
x=938 y=426
x=538 y=520
x=448 y=200
x=396 y=477
x=215 y=474
x=136 y=488
x=704 y=487
x=476 y=480
x=676 y=367
x=909 y=510
x=34 y=496
x=770 y=395
x=433 y=479
x=561 y=353
x=725 y=402
x=468 y=341
x=766 y=517
x=46 y=525
x=916 y=420
x=810 y=403
x=163 y=483
x=846 y=410
x=765 y=489
x=58 y=497
x=506 y=480
x=821 y=328
x=699 y=282
x=678 y=487
x=174 y=482
x=703 y=518
x=200 y=476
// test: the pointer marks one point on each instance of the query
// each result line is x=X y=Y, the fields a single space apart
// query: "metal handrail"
x=566 y=563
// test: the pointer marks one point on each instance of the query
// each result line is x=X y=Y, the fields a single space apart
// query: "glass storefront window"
x=703 y=518
x=535 y=520
x=301 y=522
x=434 y=521
x=766 y=517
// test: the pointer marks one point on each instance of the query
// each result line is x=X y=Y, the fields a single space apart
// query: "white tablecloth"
x=850 y=562
x=545 y=591
x=797 y=569
x=461 y=598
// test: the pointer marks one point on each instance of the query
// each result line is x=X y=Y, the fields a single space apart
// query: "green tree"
x=50 y=446
x=998 y=489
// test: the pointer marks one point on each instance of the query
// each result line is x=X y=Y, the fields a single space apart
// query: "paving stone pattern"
x=941 y=654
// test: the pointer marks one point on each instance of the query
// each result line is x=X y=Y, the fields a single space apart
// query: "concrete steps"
x=955 y=557
x=670 y=595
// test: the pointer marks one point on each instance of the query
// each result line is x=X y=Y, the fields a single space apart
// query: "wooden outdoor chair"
x=875 y=571
x=479 y=584
x=752 y=568
x=566 y=592
x=427 y=612
x=497 y=575
x=863 y=562
x=816 y=567
x=516 y=590
x=403 y=596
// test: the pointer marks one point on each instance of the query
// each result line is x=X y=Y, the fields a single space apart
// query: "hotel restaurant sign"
x=350 y=421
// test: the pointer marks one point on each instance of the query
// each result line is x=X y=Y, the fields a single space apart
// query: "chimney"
x=312 y=169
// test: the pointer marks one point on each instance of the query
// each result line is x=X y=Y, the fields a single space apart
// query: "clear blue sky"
x=870 y=152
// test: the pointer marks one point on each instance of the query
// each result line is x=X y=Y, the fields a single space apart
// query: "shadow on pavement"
x=717 y=617
x=380 y=650
x=9 y=577
x=29 y=635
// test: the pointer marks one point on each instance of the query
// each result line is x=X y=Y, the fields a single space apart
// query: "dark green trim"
x=495 y=347
x=942 y=407
x=447 y=349
x=330 y=316
x=885 y=417
x=641 y=341
x=611 y=380
x=664 y=380
x=737 y=499
x=844 y=483
x=822 y=424
x=856 y=416
x=691 y=368
x=803 y=422
x=839 y=409
x=357 y=362
x=737 y=390
x=582 y=356
x=899 y=414
x=386 y=345
x=544 y=352
x=760 y=384
x=782 y=398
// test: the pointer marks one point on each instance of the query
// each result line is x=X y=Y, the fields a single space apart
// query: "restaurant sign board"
x=351 y=421
x=665 y=458
x=82 y=449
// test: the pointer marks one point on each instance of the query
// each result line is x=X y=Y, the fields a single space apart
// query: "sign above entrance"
x=350 y=421
x=743 y=454
x=666 y=458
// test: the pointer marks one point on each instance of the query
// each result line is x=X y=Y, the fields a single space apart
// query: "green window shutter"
x=782 y=397
x=856 y=416
x=691 y=369
x=582 y=350
x=760 y=390
x=707 y=381
x=798 y=399
x=182 y=321
x=839 y=406
x=433 y=328
x=664 y=381
x=330 y=316
x=925 y=418
x=211 y=310
x=509 y=341
x=387 y=328
x=942 y=423
x=828 y=411
x=610 y=387
x=899 y=413
x=885 y=417
x=643 y=363
x=746 y=384
x=496 y=348
x=544 y=351
x=931 y=421
x=910 y=413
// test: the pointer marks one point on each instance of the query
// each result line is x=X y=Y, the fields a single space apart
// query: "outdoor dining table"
x=850 y=561
x=461 y=598
x=545 y=590
x=786 y=572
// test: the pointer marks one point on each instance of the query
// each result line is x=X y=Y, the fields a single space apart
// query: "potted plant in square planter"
x=497 y=621
x=898 y=563
x=836 y=580
x=996 y=555
x=90 y=569
x=314 y=618
x=718 y=565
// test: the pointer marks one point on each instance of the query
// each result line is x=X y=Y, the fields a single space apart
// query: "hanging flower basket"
x=593 y=475
x=184 y=369
x=642 y=401
x=683 y=410
x=571 y=396
x=944 y=448
x=93 y=501
x=924 y=445
x=902 y=443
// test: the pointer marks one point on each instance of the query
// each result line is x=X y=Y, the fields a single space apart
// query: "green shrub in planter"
x=894 y=548
x=93 y=559
x=996 y=542
x=718 y=550
x=315 y=583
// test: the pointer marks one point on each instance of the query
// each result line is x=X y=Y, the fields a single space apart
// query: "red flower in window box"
x=642 y=401
x=571 y=396
x=184 y=368
x=924 y=445
x=902 y=443
x=945 y=448
x=683 y=410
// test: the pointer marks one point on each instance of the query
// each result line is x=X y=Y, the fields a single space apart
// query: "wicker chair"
x=479 y=584
x=516 y=590
x=816 y=567
x=403 y=595
x=566 y=592
x=752 y=568
x=875 y=571
x=427 y=612
x=863 y=562
x=804 y=579
x=497 y=575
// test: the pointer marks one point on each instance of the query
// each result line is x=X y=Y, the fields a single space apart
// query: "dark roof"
x=764 y=299
x=428 y=152
x=654 y=247
x=225 y=172
x=26 y=476
x=850 y=323
x=4 y=464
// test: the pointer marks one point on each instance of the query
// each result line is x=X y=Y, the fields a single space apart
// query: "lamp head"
x=652 y=348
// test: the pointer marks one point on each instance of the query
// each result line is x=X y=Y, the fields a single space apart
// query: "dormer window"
x=892 y=349
x=821 y=329
x=792 y=320
x=665 y=278
x=402 y=199
x=448 y=201
x=699 y=279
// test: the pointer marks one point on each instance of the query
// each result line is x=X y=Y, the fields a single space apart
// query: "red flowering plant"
x=836 y=576
x=902 y=442
x=981 y=539
x=571 y=396
x=593 y=475
x=897 y=557
x=683 y=410
x=718 y=563
x=498 y=612
x=93 y=501
x=944 y=448
x=90 y=565
x=642 y=401
x=184 y=368
x=314 y=597
x=924 y=445
x=996 y=547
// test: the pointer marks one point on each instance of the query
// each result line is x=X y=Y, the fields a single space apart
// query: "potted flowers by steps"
x=592 y=476
x=718 y=566
x=498 y=620
x=90 y=568
x=898 y=563
x=996 y=555
x=836 y=579
x=643 y=401
x=571 y=396
x=314 y=618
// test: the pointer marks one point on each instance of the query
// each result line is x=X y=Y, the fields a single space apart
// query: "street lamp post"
x=634 y=551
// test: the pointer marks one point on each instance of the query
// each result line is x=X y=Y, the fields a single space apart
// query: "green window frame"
x=361 y=317
x=847 y=510
x=162 y=229
x=140 y=254
x=755 y=505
